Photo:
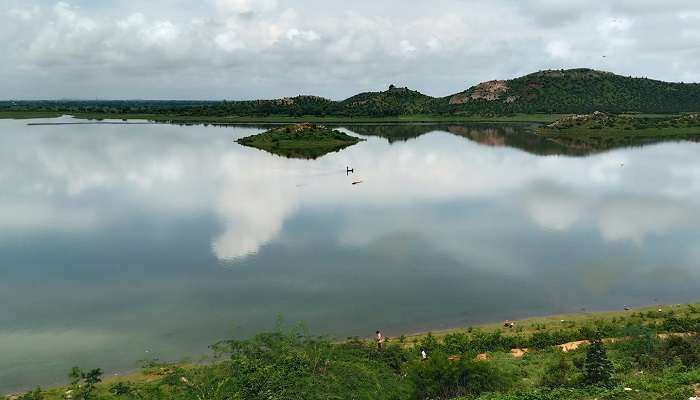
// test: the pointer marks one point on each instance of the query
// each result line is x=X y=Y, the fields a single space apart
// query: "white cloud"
x=25 y=14
x=245 y=6
x=266 y=48
x=559 y=49
x=406 y=48
x=309 y=35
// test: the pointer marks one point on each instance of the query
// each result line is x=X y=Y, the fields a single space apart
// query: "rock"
x=517 y=353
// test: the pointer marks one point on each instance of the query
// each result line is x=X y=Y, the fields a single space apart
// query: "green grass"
x=29 y=114
x=529 y=326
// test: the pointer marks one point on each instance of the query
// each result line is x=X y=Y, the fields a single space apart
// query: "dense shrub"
x=442 y=378
x=598 y=369
x=684 y=349
x=36 y=394
x=558 y=374
x=290 y=365
x=676 y=324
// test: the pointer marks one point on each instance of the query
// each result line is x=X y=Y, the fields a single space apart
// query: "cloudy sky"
x=240 y=49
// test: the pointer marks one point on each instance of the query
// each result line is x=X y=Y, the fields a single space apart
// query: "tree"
x=598 y=369
x=83 y=382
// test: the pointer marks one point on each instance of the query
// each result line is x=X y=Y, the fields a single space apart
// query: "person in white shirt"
x=380 y=340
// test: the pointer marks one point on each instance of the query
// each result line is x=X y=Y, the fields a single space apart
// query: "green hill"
x=394 y=101
x=575 y=91
x=552 y=91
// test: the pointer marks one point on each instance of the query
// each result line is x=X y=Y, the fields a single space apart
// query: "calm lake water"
x=120 y=243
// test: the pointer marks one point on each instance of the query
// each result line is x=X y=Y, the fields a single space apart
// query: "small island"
x=306 y=141
x=601 y=130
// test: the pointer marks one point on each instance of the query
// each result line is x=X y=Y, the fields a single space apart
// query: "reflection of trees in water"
x=310 y=153
x=488 y=136
x=520 y=137
x=591 y=144
x=395 y=132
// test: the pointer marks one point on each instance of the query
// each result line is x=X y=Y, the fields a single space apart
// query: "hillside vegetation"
x=577 y=91
x=551 y=91
x=648 y=354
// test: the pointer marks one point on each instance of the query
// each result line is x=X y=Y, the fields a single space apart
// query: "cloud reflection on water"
x=85 y=180
x=125 y=229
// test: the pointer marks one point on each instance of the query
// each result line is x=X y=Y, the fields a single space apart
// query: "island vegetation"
x=650 y=354
x=600 y=130
x=307 y=141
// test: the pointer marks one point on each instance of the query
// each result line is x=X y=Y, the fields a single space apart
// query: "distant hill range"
x=551 y=91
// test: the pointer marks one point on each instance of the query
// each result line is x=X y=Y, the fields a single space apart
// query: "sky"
x=249 y=49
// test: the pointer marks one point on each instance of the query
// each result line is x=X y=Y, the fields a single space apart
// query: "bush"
x=598 y=369
x=675 y=324
x=641 y=348
x=36 y=394
x=558 y=374
x=442 y=378
x=685 y=349
x=292 y=364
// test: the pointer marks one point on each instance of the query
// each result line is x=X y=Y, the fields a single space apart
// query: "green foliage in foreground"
x=656 y=356
x=307 y=141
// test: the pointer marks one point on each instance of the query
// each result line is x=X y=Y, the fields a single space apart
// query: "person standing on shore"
x=380 y=340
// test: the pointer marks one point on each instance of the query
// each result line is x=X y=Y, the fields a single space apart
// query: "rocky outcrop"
x=490 y=91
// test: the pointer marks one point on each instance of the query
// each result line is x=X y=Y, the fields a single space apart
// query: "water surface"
x=127 y=242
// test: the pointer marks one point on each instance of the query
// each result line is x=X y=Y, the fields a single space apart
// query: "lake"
x=121 y=243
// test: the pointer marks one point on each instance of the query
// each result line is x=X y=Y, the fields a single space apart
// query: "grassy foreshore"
x=29 y=114
x=654 y=353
